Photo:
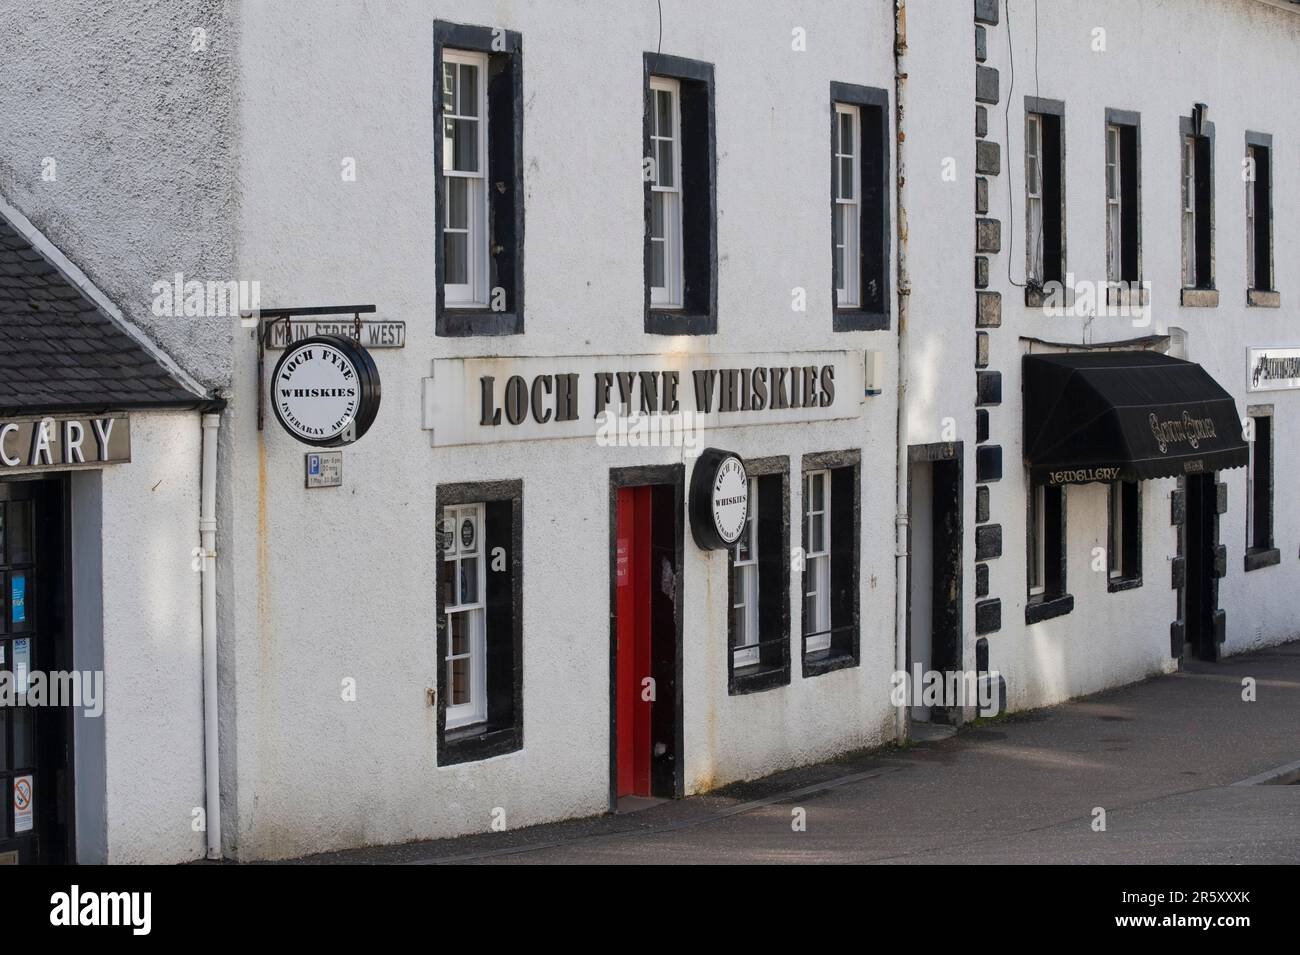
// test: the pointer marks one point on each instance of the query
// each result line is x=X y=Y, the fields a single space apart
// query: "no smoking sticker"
x=23 y=804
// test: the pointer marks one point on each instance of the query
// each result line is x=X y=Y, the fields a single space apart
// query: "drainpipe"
x=208 y=543
x=904 y=291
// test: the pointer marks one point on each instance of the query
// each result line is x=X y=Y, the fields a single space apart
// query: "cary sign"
x=68 y=441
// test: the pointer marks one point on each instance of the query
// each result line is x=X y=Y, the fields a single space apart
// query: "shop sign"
x=374 y=334
x=325 y=391
x=719 y=503
x=483 y=400
x=1272 y=369
x=64 y=441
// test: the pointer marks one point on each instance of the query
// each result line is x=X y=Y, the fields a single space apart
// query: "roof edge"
x=70 y=271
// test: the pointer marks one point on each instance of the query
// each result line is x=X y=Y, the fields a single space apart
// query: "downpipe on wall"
x=904 y=292
x=208 y=544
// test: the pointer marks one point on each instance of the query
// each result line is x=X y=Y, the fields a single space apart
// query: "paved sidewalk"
x=1161 y=758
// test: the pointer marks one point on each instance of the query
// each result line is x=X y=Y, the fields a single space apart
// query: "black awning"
x=1125 y=415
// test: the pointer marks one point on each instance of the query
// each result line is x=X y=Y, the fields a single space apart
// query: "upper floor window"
x=1044 y=195
x=680 y=167
x=1197 y=209
x=860 y=233
x=1259 y=221
x=1123 y=214
x=478 y=151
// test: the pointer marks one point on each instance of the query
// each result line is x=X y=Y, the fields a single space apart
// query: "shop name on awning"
x=1185 y=430
x=65 y=442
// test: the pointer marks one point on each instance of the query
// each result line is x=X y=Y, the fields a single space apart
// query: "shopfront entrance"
x=1201 y=615
x=645 y=653
x=35 y=641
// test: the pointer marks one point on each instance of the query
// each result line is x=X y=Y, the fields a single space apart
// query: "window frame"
x=1045 y=130
x=1123 y=535
x=1259 y=226
x=772 y=474
x=873 y=238
x=1198 y=258
x=843 y=561
x=1263 y=553
x=501 y=729
x=672 y=294
x=1127 y=287
x=696 y=159
x=475 y=292
x=501 y=131
x=848 y=289
x=1045 y=528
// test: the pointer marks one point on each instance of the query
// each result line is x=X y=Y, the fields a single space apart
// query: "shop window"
x=478 y=151
x=681 y=258
x=860 y=207
x=1124 y=535
x=1259 y=221
x=759 y=627
x=1260 y=551
x=1046 y=554
x=1197 y=205
x=480 y=677
x=1044 y=196
x=1123 y=212
x=830 y=562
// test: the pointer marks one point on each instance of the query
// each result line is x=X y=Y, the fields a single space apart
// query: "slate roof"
x=60 y=352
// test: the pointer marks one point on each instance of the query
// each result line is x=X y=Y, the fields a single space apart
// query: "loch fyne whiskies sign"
x=481 y=400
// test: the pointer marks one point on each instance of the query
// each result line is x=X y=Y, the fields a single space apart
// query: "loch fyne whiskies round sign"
x=325 y=391
x=719 y=499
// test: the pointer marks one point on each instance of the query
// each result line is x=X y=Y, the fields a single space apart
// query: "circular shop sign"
x=325 y=390
x=719 y=499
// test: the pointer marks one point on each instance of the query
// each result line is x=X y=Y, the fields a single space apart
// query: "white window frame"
x=1189 y=211
x=745 y=582
x=472 y=293
x=817 y=565
x=1114 y=206
x=1037 y=566
x=670 y=294
x=475 y=612
x=848 y=210
x=1034 y=196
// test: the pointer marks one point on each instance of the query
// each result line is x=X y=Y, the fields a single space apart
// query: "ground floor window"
x=1124 y=535
x=480 y=678
x=759 y=627
x=1260 y=550
x=830 y=561
x=1045 y=557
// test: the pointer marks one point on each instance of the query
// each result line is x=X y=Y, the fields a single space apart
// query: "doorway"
x=934 y=572
x=35 y=638
x=646 y=521
x=1201 y=615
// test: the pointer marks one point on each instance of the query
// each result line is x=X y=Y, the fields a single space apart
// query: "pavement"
x=1185 y=770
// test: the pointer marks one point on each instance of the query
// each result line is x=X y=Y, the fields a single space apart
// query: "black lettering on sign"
x=516 y=399
x=828 y=385
x=491 y=413
x=704 y=382
x=649 y=391
x=758 y=400
x=779 y=399
x=566 y=397
x=670 y=404
x=603 y=382
x=541 y=383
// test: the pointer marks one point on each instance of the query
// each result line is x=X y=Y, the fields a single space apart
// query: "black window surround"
x=1054 y=601
x=1052 y=186
x=503 y=732
x=1261 y=290
x=1203 y=294
x=1129 y=123
x=873 y=314
x=845 y=468
x=1261 y=551
x=773 y=531
x=505 y=179
x=699 y=312
x=1131 y=548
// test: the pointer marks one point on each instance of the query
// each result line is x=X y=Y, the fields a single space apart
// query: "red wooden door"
x=632 y=571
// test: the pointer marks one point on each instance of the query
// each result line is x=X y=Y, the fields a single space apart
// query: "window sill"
x=756 y=677
x=1116 y=584
x=1039 y=609
x=859 y=320
x=815 y=664
x=473 y=743
x=1039 y=296
x=1258 y=557
x=1131 y=294
x=1199 y=298
x=1259 y=298
x=666 y=321
x=456 y=322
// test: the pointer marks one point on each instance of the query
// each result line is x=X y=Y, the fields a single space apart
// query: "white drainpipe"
x=208 y=542
x=904 y=291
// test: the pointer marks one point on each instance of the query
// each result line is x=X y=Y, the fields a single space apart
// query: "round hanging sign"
x=719 y=503
x=325 y=390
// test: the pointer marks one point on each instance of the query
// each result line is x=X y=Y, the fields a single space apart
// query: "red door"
x=632 y=571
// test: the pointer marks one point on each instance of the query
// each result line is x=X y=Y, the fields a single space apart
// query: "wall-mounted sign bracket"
x=267 y=317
